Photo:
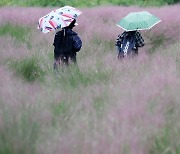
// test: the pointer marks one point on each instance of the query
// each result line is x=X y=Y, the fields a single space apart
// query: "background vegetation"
x=102 y=105
x=84 y=3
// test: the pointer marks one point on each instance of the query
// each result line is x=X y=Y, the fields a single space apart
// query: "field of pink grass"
x=116 y=107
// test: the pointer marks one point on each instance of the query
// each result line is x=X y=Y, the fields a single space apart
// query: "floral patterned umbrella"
x=58 y=18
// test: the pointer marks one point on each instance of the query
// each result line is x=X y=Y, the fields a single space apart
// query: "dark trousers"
x=63 y=58
x=134 y=52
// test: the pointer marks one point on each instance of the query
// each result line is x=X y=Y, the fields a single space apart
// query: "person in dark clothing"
x=135 y=41
x=66 y=44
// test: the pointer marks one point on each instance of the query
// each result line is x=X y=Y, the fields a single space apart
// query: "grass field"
x=103 y=105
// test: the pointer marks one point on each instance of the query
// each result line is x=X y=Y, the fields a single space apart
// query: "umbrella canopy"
x=58 y=18
x=138 y=21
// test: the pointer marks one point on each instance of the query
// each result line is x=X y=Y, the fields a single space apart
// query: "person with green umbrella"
x=131 y=38
x=129 y=42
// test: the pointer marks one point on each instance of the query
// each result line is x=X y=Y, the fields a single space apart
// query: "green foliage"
x=163 y=143
x=72 y=77
x=5 y=2
x=106 y=44
x=156 y=42
x=82 y=3
x=19 y=134
x=20 y=33
x=28 y=68
x=59 y=109
x=99 y=103
x=144 y=2
x=166 y=139
x=43 y=3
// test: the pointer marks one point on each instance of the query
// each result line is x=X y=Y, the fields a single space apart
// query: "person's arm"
x=118 y=41
x=139 y=40
x=77 y=43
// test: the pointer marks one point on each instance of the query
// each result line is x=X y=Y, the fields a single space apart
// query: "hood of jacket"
x=70 y=32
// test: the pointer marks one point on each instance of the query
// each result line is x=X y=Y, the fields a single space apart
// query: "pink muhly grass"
x=9 y=50
x=132 y=110
x=22 y=15
x=104 y=18
x=123 y=114
x=12 y=90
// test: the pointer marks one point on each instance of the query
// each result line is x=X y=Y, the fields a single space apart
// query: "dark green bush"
x=20 y=33
x=72 y=77
x=28 y=68
x=82 y=3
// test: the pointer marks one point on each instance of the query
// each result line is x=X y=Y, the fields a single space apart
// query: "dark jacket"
x=60 y=39
x=139 y=41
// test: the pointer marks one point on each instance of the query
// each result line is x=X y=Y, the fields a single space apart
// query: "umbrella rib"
x=155 y=24
x=121 y=27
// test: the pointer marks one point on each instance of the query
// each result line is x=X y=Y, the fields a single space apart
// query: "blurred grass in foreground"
x=20 y=132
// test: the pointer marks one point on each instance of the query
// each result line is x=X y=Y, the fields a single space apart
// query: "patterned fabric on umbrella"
x=58 y=18
x=138 y=21
x=69 y=12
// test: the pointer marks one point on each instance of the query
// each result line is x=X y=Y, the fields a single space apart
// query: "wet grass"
x=19 y=133
x=29 y=69
x=21 y=34
x=89 y=109
x=73 y=77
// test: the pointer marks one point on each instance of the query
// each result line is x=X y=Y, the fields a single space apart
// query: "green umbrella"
x=138 y=21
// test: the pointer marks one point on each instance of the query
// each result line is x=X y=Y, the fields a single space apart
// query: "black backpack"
x=63 y=42
x=128 y=43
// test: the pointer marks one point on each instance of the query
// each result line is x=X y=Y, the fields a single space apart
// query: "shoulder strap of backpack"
x=67 y=43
